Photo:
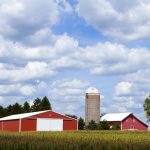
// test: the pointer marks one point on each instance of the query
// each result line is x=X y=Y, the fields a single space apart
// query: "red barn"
x=38 y=121
x=127 y=121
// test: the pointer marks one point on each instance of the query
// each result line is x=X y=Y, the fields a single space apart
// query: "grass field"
x=79 y=140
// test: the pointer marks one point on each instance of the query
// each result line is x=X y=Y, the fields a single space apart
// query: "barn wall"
x=70 y=125
x=28 y=124
x=11 y=125
x=132 y=123
x=50 y=114
x=1 y=128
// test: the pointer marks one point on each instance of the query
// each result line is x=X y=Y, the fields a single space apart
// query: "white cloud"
x=124 y=20
x=124 y=88
x=32 y=70
x=23 y=18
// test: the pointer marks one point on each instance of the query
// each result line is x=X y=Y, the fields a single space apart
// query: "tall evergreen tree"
x=26 y=107
x=1 y=111
x=36 y=105
x=16 y=109
x=8 y=110
x=81 y=124
x=45 y=104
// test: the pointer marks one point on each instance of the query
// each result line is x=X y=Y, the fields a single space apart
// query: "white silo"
x=92 y=105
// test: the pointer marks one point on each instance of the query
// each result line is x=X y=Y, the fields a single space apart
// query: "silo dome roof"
x=92 y=90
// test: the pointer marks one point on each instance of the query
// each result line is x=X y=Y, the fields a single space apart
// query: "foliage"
x=147 y=107
x=81 y=124
x=104 y=125
x=16 y=108
x=45 y=104
x=26 y=107
x=77 y=140
x=92 y=125
x=116 y=126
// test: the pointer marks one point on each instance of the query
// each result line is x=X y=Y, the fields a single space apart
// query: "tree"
x=16 y=109
x=8 y=110
x=36 y=105
x=45 y=104
x=92 y=125
x=147 y=107
x=1 y=112
x=81 y=124
x=26 y=107
x=104 y=125
x=116 y=126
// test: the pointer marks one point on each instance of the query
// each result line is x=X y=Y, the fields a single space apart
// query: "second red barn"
x=126 y=121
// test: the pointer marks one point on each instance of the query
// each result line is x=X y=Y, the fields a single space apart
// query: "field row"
x=79 y=140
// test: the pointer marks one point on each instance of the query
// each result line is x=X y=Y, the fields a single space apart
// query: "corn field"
x=75 y=140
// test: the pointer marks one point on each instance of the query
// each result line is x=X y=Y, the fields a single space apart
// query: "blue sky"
x=59 y=48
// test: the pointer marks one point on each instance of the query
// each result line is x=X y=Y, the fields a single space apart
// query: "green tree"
x=147 y=107
x=45 y=104
x=1 y=112
x=36 y=105
x=104 y=125
x=16 y=109
x=92 y=125
x=81 y=124
x=8 y=110
x=26 y=107
x=116 y=126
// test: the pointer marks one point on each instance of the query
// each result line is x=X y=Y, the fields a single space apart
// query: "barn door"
x=44 y=124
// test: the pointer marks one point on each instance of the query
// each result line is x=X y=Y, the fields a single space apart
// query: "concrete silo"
x=92 y=105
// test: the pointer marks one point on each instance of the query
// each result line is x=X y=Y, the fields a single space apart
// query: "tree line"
x=92 y=125
x=39 y=104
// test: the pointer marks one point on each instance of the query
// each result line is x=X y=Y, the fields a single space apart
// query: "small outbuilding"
x=126 y=121
x=38 y=121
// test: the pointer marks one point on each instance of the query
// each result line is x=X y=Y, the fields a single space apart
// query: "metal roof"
x=115 y=116
x=92 y=90
x=20 y=116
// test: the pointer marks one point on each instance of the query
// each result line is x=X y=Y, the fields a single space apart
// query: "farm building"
x=127 y=121
x=38 y=121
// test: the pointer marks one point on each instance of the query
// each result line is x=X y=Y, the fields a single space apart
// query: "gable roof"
x=20 y=116
x=115 y=116
x=24 y=115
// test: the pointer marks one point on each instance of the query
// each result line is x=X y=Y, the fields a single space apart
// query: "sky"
x=59 y=48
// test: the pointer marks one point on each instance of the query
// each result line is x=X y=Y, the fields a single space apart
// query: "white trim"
x=77 y=125
x=121 y=125
x=19 y=125
x=2 y=126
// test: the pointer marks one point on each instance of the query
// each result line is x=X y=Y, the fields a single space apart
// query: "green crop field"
x=75 y=140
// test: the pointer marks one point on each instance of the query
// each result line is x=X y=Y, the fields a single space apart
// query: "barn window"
x=127 y=120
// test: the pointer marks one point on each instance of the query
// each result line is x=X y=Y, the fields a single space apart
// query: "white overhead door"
x=44 y=124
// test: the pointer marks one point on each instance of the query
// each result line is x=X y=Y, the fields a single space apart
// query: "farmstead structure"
x=38 y=121
x=127 y=121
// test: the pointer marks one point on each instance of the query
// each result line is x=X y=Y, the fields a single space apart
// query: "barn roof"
x=115 y=116
x=20 y=116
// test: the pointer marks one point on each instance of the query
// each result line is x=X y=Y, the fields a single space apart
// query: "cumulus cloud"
x=33 y=70
x=124 y=88
x=23 y=18
x=123 y=20
x=68 y=95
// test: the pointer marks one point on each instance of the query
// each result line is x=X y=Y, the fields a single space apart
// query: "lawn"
x=75 y=140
